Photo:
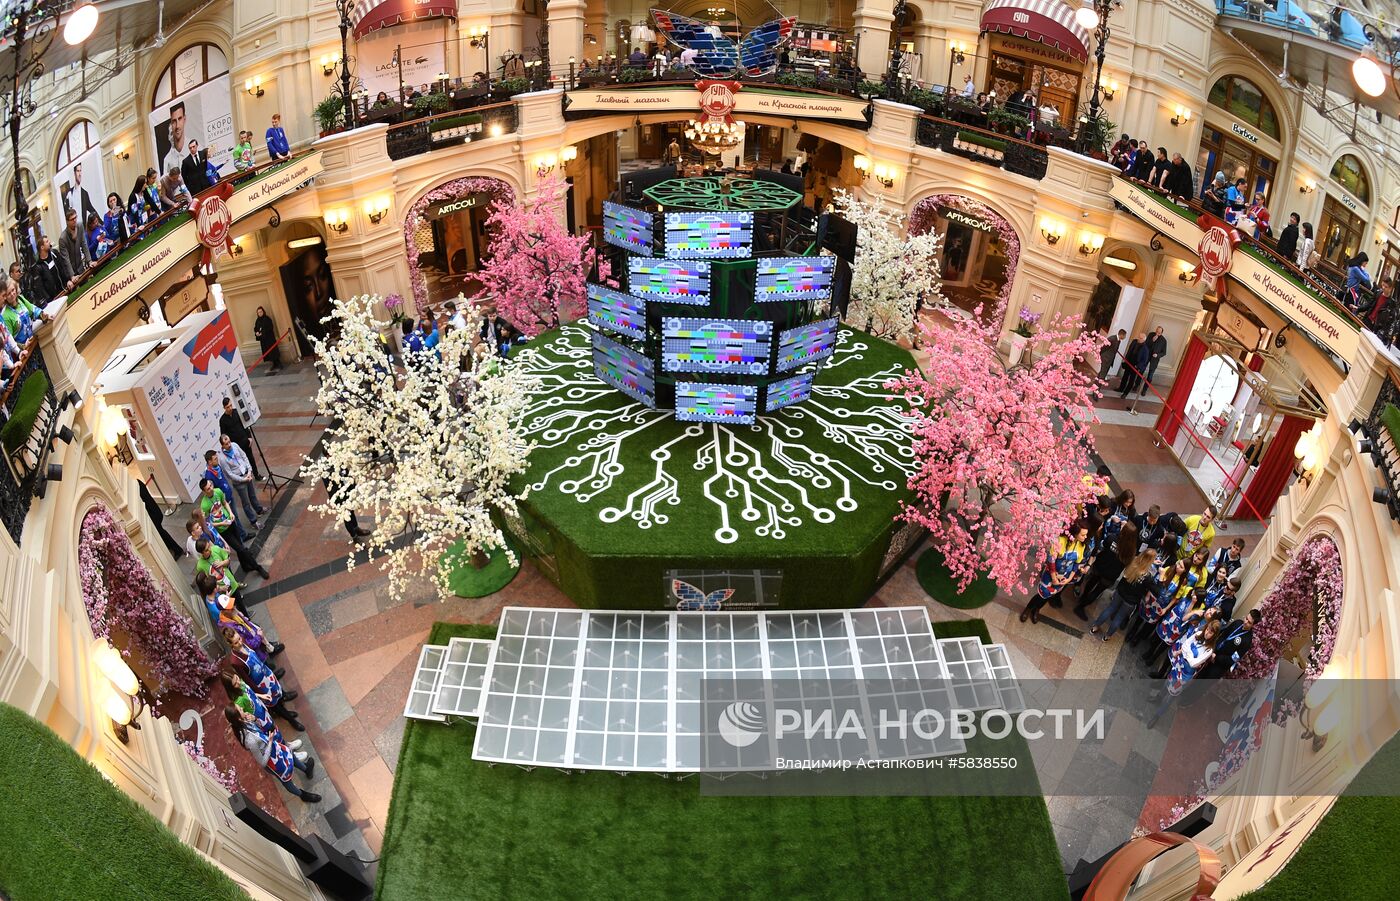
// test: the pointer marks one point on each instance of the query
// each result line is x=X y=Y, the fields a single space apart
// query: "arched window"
x=27 y=185
x=1347 y=172
x=1242 y=99
x=79 y=139
x=192 y=100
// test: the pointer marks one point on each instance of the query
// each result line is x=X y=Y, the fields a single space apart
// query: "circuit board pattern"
x=719 y=194
x=799 y=468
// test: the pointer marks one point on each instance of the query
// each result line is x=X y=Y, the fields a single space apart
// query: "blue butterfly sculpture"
x=716 y=55
x=692 y=598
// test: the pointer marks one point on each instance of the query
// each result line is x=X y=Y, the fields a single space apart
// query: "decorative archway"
x=1307 y=595
x=416 y=221
x=122 y=598
x=922 y=217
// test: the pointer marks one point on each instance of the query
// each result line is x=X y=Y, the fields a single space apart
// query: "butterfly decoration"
x=691 y=598
x=716 y=55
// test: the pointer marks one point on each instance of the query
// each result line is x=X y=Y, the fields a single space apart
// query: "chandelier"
x=714 y=138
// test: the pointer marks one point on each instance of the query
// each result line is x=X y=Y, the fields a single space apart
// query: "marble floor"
x=351 y=647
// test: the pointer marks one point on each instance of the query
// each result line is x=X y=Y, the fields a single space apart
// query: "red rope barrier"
x=280 y=338
x=1182 y=423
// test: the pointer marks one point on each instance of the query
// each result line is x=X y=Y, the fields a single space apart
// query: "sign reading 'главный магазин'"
x=687 y=98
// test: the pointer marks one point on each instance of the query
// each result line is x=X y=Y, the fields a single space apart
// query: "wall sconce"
x=1188 y=272
x=958 y=50
x=1310 y=452
x=121 y=152
x=237 y=248
x=1107 y=89
x=112 y=429
x=338 y=221
x=1051 y=230
x=545 y=163
x=884 y=175
x=477 y=36
x=376 y=209
x=1307 y=187
x=495 y=129
x=328 y=63
x=254 y=86
x=568 y=154
x=123 y=689
x=1183 y=115
x=1090 y=242
x=862 y=164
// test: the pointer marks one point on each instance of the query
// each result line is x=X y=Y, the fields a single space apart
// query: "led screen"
x=627 y=227
x=706 y=235
x=624 y=369
x=674 y=281
x=715 y=345
x=790 y=391
x=806 y=343
x=794 y=278
x=696 y=402
x=616 y=311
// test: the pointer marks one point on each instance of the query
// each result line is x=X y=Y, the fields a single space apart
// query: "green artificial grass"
x=938 y=583
x=466 y=581
x=26 y=410
x=1351 y=852
x=458 y=828
x=66 y=832
x=1390 y=418
x=620 y=564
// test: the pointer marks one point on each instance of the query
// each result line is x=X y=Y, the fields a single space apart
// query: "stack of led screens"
x=463 y=677
x=699 y=402
x=674 y=281
x=1012 y=698
x=806 y=343
x=422 y=691
x=618 y=312
x=709 y=235
x=627 y=227
x=793 y=278
x=738 y=346
x=624 y=369
x=969 y=674
x=789 y=391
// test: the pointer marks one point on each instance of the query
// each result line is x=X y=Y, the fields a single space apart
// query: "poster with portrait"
x=417 y=47
x=79 y=185
x=204 y=114
x=309 y=289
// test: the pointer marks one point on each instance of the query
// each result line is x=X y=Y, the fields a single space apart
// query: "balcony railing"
x=29 y=409
x=1003 y=151
x=461 y=126
x=1328 y=22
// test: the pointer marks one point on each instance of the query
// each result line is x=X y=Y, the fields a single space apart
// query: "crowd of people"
x=1168 y=588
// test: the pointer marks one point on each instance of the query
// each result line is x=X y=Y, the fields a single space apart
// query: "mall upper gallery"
x=658 y=366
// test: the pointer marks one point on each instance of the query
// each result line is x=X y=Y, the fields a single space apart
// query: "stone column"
x=874 y=22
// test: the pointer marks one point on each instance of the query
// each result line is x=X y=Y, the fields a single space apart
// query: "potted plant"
x=1006 y=121
x=328 y=114
x=1026 y=321
x=393 y=304
x=1094 y=136
x=509 y=87
x=430 y=104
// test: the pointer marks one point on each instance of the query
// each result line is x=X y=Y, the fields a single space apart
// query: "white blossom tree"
x=428 y=449
x=894 y=270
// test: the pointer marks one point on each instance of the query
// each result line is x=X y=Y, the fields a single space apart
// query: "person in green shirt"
x=19 y=315
x=212 y=560
x=219 y=514
x=243 y=151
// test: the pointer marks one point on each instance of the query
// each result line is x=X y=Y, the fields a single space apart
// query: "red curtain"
x=1268 y=482
x=1175 y=406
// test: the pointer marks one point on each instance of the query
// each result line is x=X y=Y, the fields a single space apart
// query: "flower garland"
x=921 y=220
x=1307 y=593
x=119 y=592
x=227 y=778
x=458 y=187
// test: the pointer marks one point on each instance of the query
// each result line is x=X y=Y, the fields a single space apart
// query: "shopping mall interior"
x=549 y=389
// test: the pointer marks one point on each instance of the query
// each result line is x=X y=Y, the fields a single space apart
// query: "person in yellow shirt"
x=1199 y=532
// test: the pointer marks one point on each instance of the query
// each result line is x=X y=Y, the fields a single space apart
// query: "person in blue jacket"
x=277 y=146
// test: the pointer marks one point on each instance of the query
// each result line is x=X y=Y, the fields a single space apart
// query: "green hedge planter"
x=466 y=581
x=934 y=578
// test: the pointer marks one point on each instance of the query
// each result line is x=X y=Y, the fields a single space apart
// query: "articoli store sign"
x=962 y=218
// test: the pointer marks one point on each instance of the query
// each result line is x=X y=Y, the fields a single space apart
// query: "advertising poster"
x=185 y=389
x=417 y=47
x=79 y=185
x=204 y=114
x=309 y=289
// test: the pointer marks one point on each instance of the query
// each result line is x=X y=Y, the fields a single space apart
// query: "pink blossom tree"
x=536 y=269
x=1002 y=451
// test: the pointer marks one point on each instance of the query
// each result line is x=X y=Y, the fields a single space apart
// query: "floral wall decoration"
x=921 y=220
x=1307 y=594
x=120 y=592
x=459 y=187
